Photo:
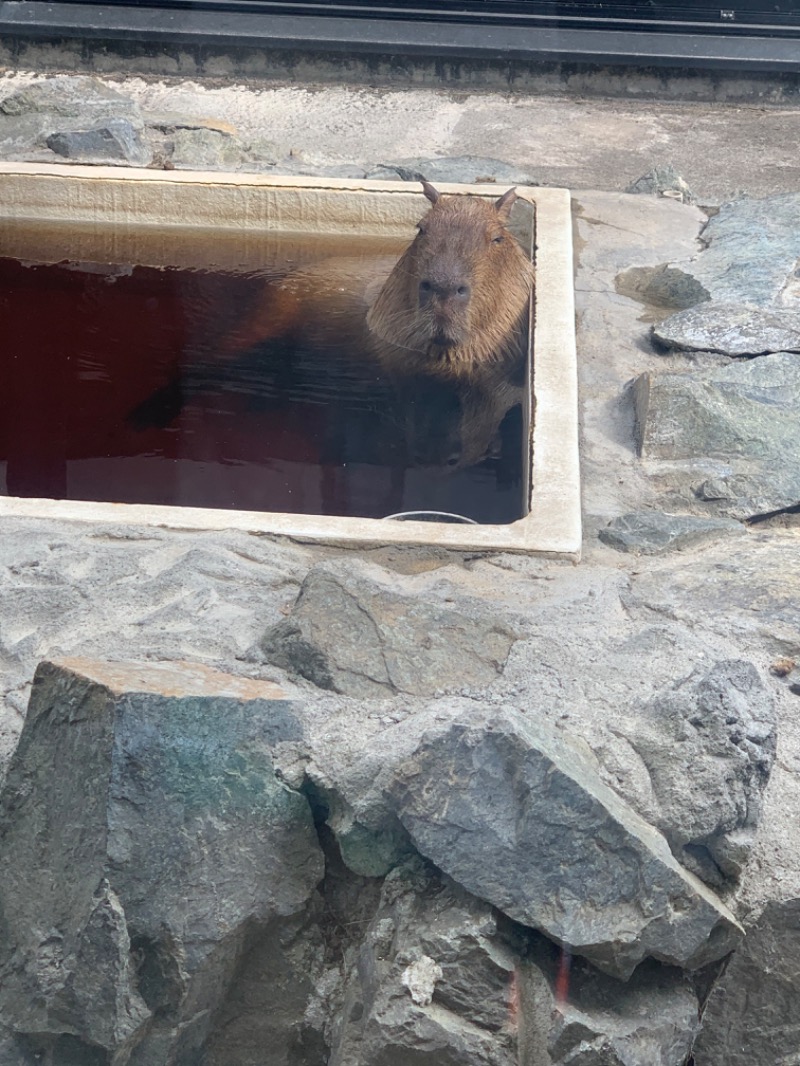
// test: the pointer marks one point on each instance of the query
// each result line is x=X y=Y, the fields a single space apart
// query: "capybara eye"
x=425 y=286
x=497 y=240
x=421 y=229
x=462 y=290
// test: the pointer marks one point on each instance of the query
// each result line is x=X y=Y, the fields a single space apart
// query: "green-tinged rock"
x=143 y=831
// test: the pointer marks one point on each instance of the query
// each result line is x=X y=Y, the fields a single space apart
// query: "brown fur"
x=462 y=242
x=377 y=313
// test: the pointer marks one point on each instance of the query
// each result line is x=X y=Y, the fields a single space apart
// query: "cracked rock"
x=461 y=1012
x=518 y=815
x=655 y=533
x=750 y=1018
x=731 y=329
x=591 y=1019
x=352 y=631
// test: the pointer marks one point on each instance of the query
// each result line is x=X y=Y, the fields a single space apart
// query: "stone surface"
x=752 y=253
x=654 y=533
x=266 y=1016
x=582 y=1016
x=732 y=329
x=719 y=727
x=664 y=287
x=599 y=639
x=424 y=924
x=467 y=169
x=168 y=839
x=115 y=140
x=515 y=813
x=204 y=148
x=350 y=632
x=750 y=1018
x=745 y=415
x=71 y=96
x=663 y=181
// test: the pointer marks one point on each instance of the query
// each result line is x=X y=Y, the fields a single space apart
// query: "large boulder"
x=518 y=814
x=144 y=835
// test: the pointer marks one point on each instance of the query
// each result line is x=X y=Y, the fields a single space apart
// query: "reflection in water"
x=112 y=388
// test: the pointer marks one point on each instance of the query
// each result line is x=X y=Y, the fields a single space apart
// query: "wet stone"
x=663 y=286
x=112 y=141
x=731 y=329
x=656 y=533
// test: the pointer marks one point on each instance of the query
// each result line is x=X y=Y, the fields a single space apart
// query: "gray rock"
x=351 y=632
x=431 y=980
x=267 y=1006
x=663 y=181
x=731 y=329
x=514 y=812
x=13 y=1051
x=298 y=165
x=751 y=1015
x=747 y=415
x=663 y=286
x=745 y=590
x=655 y=533
x=115 y=140
x=71 y=96
x=464 y=168
x=753 y=248
x=708 y=743
x=204 y=148
x=651 y=1020
x=129 y=878
x=24 y=135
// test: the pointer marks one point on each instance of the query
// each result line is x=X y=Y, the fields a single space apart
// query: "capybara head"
x=458 y=297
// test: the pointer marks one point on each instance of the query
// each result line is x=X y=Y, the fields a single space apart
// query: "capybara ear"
x=505 y=203
x=429 y=191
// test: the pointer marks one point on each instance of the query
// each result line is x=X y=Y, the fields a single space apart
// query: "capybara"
x=453 y=308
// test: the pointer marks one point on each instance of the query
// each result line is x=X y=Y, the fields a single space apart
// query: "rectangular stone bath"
x=113 y=206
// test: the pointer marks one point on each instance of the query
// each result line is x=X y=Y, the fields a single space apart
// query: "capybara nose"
x=444 y=291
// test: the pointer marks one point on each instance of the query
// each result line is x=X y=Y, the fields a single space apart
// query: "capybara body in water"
x=453 y=309
x=454 y=304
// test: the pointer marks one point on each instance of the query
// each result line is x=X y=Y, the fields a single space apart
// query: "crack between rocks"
x=764 y=516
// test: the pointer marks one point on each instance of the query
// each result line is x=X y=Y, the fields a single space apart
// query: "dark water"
x=111 y=390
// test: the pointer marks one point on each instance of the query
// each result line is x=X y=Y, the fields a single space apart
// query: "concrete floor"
x=721 y=149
